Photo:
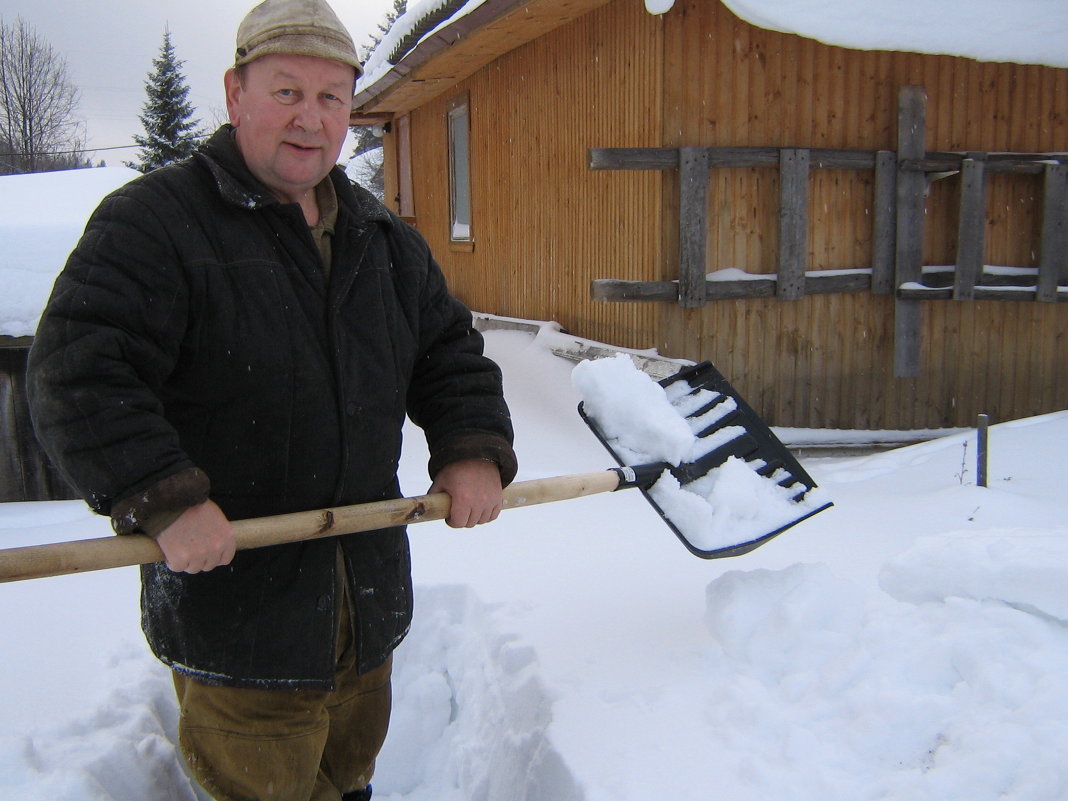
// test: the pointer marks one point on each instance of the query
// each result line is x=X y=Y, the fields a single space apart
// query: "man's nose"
x=307 y=117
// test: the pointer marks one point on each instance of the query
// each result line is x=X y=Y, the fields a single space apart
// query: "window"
x=459 y=122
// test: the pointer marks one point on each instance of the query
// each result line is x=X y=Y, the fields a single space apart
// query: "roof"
x=475 y=33
x=438 y=43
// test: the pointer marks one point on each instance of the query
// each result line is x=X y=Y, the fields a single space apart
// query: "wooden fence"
x=25 y=472
x=791 y=282
x=902 y=180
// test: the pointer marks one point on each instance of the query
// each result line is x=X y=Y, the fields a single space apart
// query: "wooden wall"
x=827 y=361
x=545 y=225
x=26 y=474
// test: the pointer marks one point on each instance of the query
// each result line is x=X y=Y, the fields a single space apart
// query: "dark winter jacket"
x=193 y=333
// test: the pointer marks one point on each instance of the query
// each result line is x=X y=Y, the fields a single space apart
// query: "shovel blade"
x=740 y=487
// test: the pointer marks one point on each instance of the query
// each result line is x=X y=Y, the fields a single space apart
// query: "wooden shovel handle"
x=80 y=556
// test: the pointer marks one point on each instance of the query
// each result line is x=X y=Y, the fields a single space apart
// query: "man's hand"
x=201 y=539
x=475 y=488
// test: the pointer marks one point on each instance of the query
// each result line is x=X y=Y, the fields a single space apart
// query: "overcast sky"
x=109 y=47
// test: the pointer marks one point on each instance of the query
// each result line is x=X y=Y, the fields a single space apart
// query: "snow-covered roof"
x=377 y=63
x=1019 y=31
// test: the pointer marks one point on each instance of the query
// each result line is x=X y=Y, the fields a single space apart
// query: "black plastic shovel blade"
x=700 y=500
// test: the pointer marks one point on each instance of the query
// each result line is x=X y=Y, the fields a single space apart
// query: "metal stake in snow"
x=981 y=456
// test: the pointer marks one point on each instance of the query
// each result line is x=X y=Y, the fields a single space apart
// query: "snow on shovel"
x=729 y=485
x=715 y=473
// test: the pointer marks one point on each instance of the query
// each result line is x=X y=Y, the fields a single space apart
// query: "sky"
x=109 y=48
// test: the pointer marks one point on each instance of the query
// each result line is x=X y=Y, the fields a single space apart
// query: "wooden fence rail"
x=793 y=280
x=901 y=183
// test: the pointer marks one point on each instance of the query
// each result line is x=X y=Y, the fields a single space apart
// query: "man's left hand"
x=475 y=488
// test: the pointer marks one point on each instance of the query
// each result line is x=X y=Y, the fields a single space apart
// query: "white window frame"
x=458 y=120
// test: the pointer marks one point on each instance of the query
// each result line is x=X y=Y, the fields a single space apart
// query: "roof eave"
x=489 y=31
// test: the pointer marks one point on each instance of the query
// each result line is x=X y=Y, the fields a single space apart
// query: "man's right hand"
x=201 y=539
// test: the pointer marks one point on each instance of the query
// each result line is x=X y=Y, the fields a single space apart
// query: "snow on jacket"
x=194 y=332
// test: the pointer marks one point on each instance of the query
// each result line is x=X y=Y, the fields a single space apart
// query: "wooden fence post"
x=693 y=225
x=1053 y=255
x=971 y=228
x=884 y=223
x=911 y=186
x=793 y=222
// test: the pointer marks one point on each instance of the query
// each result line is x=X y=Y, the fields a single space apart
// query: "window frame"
x=405 y=193
x=458 y=142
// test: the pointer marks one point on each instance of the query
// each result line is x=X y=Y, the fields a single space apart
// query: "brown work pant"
x=290 y=745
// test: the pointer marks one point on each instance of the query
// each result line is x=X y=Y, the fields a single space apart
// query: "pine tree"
x=368 y=170
x=365 y=138
x=399 y=8
x=170 y=133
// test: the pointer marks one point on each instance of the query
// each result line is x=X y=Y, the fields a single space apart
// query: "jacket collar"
x=237 y=185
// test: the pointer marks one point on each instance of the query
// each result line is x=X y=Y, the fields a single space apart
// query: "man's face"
x=291 y=114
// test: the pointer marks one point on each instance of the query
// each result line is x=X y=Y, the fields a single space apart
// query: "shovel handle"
x=80 y=556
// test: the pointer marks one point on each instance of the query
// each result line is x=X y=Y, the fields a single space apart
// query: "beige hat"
x=295 y=27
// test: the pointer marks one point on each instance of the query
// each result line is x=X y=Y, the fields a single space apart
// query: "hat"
x=295 y=27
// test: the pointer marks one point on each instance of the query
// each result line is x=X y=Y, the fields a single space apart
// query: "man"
x=240 y=335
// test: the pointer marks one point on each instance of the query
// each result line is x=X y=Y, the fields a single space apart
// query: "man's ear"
x=232 y=83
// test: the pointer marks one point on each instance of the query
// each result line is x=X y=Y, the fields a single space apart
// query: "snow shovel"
x=739 y=487
x=39 y=561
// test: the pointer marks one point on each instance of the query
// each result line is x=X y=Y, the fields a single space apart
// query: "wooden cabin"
x=857 y=239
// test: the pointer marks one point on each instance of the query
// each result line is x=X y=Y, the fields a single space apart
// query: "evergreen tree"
x=368 y=169
x=170 y=133
x=364 y=139
x=399 y=7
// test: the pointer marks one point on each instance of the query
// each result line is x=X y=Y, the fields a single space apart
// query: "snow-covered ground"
x=910 y=643
x=41 y=217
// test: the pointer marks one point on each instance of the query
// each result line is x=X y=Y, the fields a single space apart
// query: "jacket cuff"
x=156 y=507
x=475 y=445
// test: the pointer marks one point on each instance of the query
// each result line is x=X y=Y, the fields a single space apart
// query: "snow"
x=908 y=643
x=41 y=218
x=634 y=412
x=657 y=7
x=1024 y=31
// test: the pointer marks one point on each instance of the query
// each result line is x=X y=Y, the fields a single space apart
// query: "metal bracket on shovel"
x=758 y=446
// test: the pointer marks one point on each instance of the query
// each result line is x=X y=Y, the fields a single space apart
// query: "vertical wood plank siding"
x=827 y=360
x=545 y=225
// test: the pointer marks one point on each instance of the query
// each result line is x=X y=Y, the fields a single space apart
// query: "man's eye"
x=286 y=93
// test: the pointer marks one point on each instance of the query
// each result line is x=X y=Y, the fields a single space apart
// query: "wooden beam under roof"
x=461 y=48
